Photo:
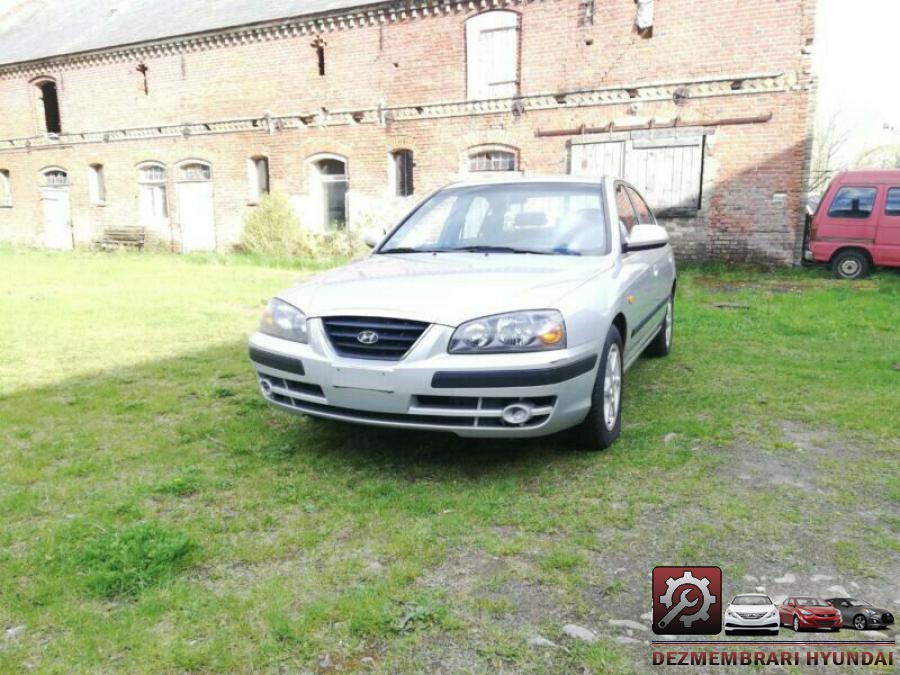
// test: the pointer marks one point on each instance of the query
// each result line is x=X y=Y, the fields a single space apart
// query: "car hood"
x=820 y=611
x=446 y=288
x=752 y=609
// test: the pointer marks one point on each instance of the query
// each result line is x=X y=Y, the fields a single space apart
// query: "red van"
x=857 y=224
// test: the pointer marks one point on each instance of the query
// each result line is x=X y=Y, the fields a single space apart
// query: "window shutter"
x=667 y=173
x=492 y=54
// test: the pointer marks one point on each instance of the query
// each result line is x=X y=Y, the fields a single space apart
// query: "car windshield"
x=539 y=218
x=859 y=603
x=811 y=602
x=751 y=600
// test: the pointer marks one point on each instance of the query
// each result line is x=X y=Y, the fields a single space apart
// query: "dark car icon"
x=860 y=614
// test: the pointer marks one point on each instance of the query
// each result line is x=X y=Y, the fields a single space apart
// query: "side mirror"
x=644 y=237
x=372 y=238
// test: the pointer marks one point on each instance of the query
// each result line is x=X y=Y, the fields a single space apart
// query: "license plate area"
x=362 y=378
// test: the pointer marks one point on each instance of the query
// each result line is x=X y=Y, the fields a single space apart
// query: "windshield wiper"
x=510 y=249
x=408 y=249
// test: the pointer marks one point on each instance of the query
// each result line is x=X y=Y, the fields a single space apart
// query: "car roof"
x=520 y=179
x=761 y=595
x=877 y=176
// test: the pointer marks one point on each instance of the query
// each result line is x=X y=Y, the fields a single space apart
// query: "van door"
x=886 y=250
x=849 y=217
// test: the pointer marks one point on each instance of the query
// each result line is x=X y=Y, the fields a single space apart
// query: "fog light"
x=516 y=413
x=266 y=387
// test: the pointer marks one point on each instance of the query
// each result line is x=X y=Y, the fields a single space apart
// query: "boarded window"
x=5 y=188
x=492 y=55
x=257 y=178
x=153 y=208
x=492 y=160
x=96 y=184
x=668 y=170
x=402 y=172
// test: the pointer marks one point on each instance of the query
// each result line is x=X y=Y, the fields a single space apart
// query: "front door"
x=194 y=192
x=57 y=218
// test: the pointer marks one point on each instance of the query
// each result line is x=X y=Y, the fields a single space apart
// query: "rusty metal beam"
x=652 y=124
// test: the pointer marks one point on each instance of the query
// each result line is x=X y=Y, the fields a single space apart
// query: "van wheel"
x=850 y=265
x=661 y=345
x=603 y=423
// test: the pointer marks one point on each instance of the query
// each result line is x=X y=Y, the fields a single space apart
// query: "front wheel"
x=859 y=622
x=796 y=625
x=834 y=629
x=850 y=265
x=604 y=420
x=661 y=345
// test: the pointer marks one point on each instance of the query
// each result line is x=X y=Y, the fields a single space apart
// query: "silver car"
x=501 y=308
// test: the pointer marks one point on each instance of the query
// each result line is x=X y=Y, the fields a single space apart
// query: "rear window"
x=892 y=206
x=852 y=202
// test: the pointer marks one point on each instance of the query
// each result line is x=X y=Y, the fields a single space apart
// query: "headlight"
x=530 y=331
x=872 y=612
x=728 y=612
x=805 y=612
x=284 y=321
x=771 y=614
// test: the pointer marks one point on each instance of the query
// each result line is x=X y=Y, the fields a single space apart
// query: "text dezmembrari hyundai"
x=498 y=308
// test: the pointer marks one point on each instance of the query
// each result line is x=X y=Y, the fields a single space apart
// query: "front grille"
x=826 y=622
x=394 y=336
x=887 y=617
x=749 y=616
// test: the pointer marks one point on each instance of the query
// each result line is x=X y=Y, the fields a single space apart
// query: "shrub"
x=125 y=562
x=274 y=230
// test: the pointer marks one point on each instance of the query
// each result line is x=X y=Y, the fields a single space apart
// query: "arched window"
x=492 y=55
x=194 y=171
x=257 y=178
x=56 y=178
x=153 y=207
x=5 y=188
x=401 y=177
x=328 y=189
x=96 y=184
x=50 y=101
x=492 y=158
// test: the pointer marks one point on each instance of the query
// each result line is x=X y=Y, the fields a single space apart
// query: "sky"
x=855 y=57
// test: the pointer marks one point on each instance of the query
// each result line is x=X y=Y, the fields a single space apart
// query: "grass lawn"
x=157 y=516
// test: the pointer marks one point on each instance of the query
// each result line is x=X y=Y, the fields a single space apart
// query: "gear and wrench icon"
x=702 y=584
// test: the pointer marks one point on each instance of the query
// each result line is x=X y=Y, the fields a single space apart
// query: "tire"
x=850 y=265
x=661 y=345
x=834 y=629
x=859 y=622
x=796 y=624
x=595 y=432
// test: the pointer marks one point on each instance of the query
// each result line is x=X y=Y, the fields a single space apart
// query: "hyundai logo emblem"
x=367 y=337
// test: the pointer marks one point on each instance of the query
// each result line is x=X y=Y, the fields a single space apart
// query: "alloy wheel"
x=612 y=386
x=859 y=623
x=796 y=625
x=669 y=322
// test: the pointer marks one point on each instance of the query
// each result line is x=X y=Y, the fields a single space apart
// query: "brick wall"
x=753 y=174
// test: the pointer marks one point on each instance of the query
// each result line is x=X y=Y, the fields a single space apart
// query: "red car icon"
x=803 y=612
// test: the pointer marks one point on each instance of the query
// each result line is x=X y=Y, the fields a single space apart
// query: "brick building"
x=175 y=118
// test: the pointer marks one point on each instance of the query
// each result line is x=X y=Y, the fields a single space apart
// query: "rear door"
x=886 y=250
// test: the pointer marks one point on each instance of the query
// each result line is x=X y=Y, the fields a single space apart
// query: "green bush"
x=273 y=229
x=125 y=562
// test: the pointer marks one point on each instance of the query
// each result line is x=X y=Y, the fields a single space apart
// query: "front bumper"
x=735 y=621
x=820 y=621
x=429 y=388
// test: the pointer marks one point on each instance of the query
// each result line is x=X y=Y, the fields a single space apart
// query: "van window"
x=852 y=202
x=892 y=206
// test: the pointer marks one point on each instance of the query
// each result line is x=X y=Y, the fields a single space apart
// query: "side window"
x=892 y=205
x=644 y=217
x=852 y=202
x=627 y=216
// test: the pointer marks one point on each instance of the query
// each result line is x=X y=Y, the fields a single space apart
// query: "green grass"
x=157 y=516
